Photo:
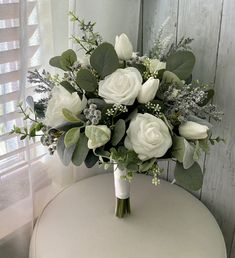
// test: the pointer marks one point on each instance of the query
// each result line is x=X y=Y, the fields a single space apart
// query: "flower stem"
x=122 y=207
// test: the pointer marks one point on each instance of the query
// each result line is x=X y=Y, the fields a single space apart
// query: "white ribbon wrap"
x=122 y=186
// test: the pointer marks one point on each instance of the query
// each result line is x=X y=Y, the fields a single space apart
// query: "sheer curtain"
x=32 y=31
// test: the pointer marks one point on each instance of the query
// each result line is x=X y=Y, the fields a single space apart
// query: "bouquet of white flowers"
x=117 y=108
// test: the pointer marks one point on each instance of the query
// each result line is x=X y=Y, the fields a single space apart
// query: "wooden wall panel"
x=212 y=25
x=197 y=21
x=154 y=14
x=200 y=20
x=219 y=185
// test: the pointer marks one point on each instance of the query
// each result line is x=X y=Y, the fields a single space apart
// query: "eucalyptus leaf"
x=132 y=115
x=118 y=132
x=68 y=125
x=199 y=121
x=183 y=151
x=191 y=178
x=91 y=159
x=204 y=145
x=55 y=62
x=70 y=116
x=101 y=152
x=140 y=67
x=197 y=151
x=145 y=166
x=86 y=80
x=68 y=86
x=64 y=153
x=100 y=103
x=30 y=102
x=71 y=136
x=188 y=159
x=67 y=59
x=181 y=63
x=104 y=59
x=81 y=150
x=171 y=78
x=98 y=134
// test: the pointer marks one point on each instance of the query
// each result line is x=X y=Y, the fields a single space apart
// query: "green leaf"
x=191 y=178
x=199 y=121
x=68 y=86
x=181 y=63
x=118 y=132
x=30 y=102
x=145 y=166
x=101 y=152
x=86 y=80
x=70 y=116
x=183 y=151
x=98 y=134
x=171 y=78
x=17 y=129
x=23 y=137
x=100 y=103
x=67 y=59
x=141 y=68
x=104 y=59
x=132 y=161
x=68 y=125
x=64 y=153
x=197 y=151
x=204 y=145
x=55 y=62
x=71 y=136
x=81 y=150
x=91 y=159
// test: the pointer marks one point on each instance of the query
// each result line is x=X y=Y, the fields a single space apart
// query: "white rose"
x=193 y=131
x=156 y=65
x=123 y=47
x=148 y=90
x=148 y=136
x=60 y=99
x=121 y=87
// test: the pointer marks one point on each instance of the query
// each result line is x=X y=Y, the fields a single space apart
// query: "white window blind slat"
x=11 y=10
x=14 y=54
x=15 y=39
x=13 y=33
x=13 y=76
x=15 y=95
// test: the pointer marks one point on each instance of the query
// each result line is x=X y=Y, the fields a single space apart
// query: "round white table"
x=166 y=222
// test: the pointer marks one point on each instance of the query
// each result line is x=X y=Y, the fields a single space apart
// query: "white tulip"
x=155 y=65
x=60 y=99
x=193 y=131
x=148 y=90
x=121 y=87
x=148 y=136
x=123 y=47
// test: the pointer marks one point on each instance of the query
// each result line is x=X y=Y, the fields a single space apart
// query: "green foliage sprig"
x=89 y=39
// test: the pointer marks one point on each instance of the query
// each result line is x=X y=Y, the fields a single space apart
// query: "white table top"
x=166 y=222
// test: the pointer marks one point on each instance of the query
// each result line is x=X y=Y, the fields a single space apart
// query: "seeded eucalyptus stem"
x=122 y=207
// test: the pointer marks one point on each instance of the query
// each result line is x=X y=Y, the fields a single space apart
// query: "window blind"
x=19 y=52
